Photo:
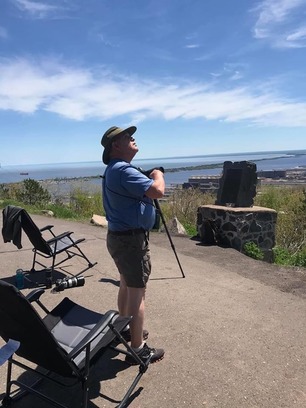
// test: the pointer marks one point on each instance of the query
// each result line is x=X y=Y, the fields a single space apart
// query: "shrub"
x=32 y=193
x=10 y=191
x=85 y=204
x=183 y=204
x=299 y=259
x=62 y=211
x=281 y=256
x=290 y=204
x=252 y=250
x=4 y=191
x=284 y=257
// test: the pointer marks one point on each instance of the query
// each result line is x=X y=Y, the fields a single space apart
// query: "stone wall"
x=235 y=226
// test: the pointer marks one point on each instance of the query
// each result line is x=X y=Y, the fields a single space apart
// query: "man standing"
x=128 y=202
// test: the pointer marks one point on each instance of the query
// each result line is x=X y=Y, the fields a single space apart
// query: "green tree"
x=32 y=193
x=4 y=191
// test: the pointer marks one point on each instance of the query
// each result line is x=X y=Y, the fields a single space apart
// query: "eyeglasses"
x=123 y=137
x=128 y=137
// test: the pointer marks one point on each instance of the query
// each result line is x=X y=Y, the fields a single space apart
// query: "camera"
x=65 y=283
x=148 y=172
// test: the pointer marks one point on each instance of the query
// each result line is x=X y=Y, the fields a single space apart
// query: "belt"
x=128 y=232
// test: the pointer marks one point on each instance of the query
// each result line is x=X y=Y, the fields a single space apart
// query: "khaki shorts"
x=131 y=254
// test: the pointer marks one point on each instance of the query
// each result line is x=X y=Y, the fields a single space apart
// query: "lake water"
x=264 y=160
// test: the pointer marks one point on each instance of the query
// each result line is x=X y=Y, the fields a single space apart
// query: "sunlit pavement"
x=233 y=330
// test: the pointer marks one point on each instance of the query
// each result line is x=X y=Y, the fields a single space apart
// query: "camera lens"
x=78 y=281
x=62 y=284
x=71 y=282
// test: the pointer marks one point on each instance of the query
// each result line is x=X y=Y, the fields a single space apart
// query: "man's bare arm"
x=157 y=189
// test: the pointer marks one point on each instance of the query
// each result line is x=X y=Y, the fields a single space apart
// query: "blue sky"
x=195 y=77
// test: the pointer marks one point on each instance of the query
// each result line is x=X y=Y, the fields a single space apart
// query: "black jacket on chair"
x=11 y=230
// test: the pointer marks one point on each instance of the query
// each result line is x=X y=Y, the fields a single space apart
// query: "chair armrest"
x=47 y=227
x=34 y=295
x=60 y=236
x=94 y=332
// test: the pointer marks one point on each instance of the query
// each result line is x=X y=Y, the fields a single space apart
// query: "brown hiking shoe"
x=144 y=354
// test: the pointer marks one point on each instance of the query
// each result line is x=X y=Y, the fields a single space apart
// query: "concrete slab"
x=233 y=330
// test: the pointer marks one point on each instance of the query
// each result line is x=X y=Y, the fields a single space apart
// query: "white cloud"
x=236 y=75
x=35 y=9
x=96 y=35
x=192 y=46
x=297 y=35
x=277 y=22
x=276 y=11
x=80 y=94
x=216 y=74
x=231 y=71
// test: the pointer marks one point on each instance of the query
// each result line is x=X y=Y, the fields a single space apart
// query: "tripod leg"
x=156 y=202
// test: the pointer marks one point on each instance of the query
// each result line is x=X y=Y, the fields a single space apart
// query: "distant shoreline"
x=169 y=170
x=56 y=180
x=183 y=168
x=215 y=165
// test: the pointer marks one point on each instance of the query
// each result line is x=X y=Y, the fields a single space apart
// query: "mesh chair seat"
x=67 y=341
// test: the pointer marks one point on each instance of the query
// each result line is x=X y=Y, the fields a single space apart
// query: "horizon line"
x=287 y=151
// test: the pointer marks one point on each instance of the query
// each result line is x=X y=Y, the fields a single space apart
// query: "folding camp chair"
x=66 y=342
x=57 y=244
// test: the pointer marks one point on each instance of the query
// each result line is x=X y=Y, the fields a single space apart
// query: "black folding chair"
x=47 y=248
x=66 y=342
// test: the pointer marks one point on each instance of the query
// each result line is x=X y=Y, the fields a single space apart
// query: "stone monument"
x=234 y=221
x=237 y=187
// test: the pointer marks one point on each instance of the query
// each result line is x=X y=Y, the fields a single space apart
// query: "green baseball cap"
x=109 y=136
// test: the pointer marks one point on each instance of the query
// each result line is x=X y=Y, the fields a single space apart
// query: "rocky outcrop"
x=49 y=213
x=174 y=227
x=99 y=220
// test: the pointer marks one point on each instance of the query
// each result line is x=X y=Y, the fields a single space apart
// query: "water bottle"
x=19 y=279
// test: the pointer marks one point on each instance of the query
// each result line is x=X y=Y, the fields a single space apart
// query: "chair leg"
x=90 y=264
x=52 y=267
x=6 y=402
x=24 y=389
x=34 y=260
x=85 y=391
x=143 y=366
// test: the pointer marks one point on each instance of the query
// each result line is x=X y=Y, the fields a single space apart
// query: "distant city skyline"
x=196 y=78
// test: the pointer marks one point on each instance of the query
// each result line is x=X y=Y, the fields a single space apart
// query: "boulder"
x=99 y=220
x=174 y=227
x=49 y=213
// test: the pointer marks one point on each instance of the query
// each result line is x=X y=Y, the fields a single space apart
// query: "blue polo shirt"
x=124 y=200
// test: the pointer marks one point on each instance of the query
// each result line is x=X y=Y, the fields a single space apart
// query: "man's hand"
x=157 y=189
x=148 y=172
x=156 y=173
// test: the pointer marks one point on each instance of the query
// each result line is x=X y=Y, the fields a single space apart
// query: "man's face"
x=127 y=145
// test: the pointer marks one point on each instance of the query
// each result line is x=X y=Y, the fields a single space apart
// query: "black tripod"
x=157 y=206
x=156 y=203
